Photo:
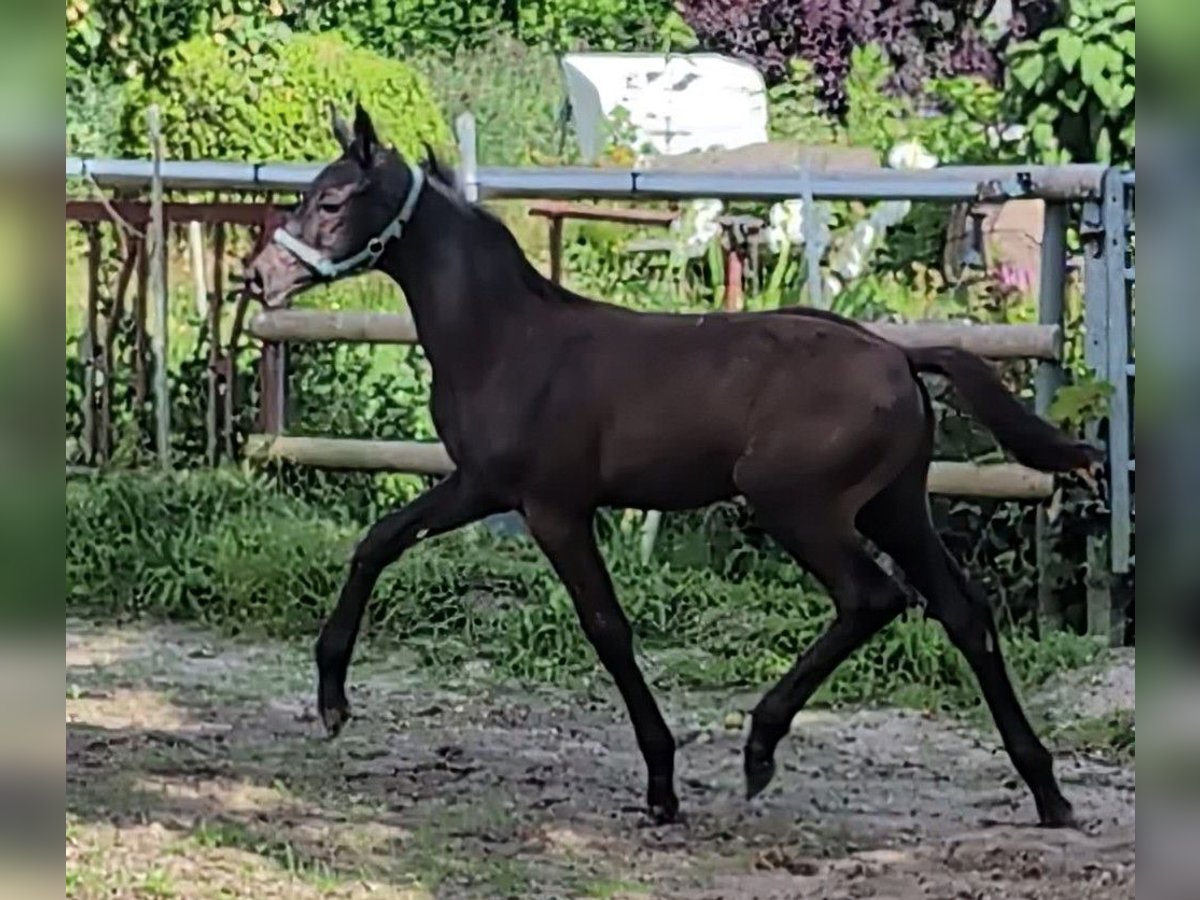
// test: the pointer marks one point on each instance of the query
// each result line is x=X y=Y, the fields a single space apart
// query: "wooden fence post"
x=91 y=347
x=214 y=419
x=156 y=239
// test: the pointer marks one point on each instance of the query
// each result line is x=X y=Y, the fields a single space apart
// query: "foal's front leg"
x=448 y=505
x=569 y=544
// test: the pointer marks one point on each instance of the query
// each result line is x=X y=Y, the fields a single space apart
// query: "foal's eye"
x=330 y=206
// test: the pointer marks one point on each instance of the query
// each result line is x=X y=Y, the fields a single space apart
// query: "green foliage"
x=962 y=130
x=398 y=28
x=962 y=127
x=227 y=551
x=222 y=100
x=128 y=39
x=114 y=40
x=599 y=24
x=795 y=108
x=1085 y=400
x=1073 y=86
x=513 y=90
x=93 y=103
x=1112 y=736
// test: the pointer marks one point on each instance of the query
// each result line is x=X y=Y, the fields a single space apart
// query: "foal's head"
x=354 y=207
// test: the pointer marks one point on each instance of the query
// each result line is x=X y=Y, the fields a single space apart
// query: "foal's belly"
x=647 y=467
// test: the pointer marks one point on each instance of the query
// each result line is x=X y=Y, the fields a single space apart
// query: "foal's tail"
x=1031 y=439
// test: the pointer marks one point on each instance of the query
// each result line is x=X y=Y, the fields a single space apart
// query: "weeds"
x=226 y=551
x=1110 y=736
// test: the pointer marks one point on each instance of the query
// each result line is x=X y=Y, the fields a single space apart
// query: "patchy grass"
x=1109 y=736
x=196 y=769
x=221 y=550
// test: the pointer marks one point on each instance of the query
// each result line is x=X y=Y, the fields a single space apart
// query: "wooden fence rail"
x=1008 y=481
x=1043 y=342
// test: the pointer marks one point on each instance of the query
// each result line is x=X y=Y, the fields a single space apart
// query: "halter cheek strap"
x=330 y=269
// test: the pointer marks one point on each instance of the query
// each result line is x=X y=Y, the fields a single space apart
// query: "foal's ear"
x=365 y=139
x=341 y=131
x=437 y=168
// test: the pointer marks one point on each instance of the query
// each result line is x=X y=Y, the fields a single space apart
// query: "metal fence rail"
x=946 y=184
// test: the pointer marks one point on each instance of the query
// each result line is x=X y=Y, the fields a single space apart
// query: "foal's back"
x=666 y=405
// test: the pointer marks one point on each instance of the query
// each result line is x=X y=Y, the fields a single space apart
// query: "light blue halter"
x=365 y=258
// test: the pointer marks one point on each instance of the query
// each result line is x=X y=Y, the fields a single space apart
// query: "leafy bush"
x=1073 y=86
x=407 y=26
x=923 y=39
x=93 y=106
x=224 y=550
x=115 y=40
x=118 y=39
x=961 y=124
x=221 y=101
x=397 y=28
x=593 y=24
x=515 y=94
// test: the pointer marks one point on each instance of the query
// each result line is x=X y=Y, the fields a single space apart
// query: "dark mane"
x=505 y=241
x=495 y=228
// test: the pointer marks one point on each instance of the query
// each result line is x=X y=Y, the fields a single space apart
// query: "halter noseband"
x=328 y=268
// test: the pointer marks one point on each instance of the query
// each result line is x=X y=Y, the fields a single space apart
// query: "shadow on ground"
x=196 y=768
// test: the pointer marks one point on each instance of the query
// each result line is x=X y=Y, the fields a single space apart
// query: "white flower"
x=787 y=224
x=850 y=258
x=699 y=225
x=911 y=155
x=889 y=213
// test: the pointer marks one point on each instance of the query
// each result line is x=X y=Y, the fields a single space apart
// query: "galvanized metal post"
x=812 y=250
x=1119 y=423
x=156 y=236
x=1048 y=379
x=468 y=163
x=1096 y=300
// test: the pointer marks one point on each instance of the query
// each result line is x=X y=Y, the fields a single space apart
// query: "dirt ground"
x=196 y=768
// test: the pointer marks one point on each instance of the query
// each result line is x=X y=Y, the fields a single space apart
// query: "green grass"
x=226 y=551
x=1110 y=736
x=284 y=854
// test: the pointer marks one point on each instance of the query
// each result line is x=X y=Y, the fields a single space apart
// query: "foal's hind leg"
x=898 y=522
x=865 y=597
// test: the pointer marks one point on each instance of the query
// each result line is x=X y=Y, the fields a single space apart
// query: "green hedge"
x=594 y=24
x=221 y=101
x=134 y=39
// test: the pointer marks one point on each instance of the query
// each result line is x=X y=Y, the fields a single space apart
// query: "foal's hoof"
x=334 y=710
x=335 y=719
x=759 y=772
x=1058 y=814
x=665 y=812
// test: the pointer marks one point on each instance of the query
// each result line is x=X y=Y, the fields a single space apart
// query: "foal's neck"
x=465 y=294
